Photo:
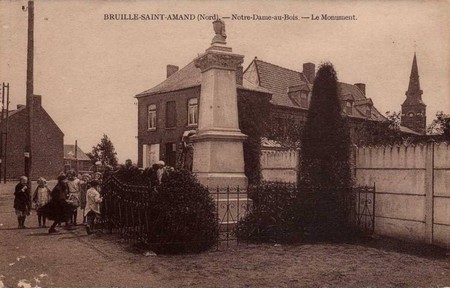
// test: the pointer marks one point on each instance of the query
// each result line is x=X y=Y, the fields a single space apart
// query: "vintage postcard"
x=199 y=86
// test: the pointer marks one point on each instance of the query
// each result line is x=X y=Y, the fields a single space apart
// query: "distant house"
x=47 y=143
x=76 y=158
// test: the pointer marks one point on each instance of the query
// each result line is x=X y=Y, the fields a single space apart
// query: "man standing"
x=93 y=200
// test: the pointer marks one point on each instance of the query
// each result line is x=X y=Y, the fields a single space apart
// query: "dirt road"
x=33 y=258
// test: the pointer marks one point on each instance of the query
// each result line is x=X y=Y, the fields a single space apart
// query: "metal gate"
x=365 y=209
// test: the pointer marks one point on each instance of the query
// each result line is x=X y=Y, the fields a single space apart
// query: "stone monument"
x=218 y=154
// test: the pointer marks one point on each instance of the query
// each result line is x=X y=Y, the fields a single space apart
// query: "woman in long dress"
x=58 y=209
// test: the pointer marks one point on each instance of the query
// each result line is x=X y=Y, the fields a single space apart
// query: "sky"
x=88 y=69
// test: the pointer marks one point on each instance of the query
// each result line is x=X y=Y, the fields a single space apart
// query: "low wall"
x=279 y=165
x=412 y=190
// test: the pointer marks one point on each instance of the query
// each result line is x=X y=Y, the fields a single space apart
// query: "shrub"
x=286 y=213
x=273 y=217
x=132 y=175
x=183 y=216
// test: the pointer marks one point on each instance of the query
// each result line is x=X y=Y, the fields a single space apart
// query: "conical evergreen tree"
x=325 y=166
x=325 y=145
x=104 y=152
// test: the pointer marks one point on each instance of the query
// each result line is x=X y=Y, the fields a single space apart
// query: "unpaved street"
x=33 y=258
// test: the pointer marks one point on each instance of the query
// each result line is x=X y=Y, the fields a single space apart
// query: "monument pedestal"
x=218 y=153
x=219 y=162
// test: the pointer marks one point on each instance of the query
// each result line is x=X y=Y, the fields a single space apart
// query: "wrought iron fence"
x=232 y=205
x=126 y=210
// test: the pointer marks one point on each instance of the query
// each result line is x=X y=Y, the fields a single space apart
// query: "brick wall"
x=47 y=144
x=162 y=135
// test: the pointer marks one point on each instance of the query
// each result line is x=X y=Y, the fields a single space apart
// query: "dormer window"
x=300 y=95
x=369 y=112
x=304 y=99
x=349 y=107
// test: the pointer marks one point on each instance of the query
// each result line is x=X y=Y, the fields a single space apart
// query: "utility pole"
x=4 y=130
x=1 y=131
x=30 y=61
x=6 y=135
x=77 y=166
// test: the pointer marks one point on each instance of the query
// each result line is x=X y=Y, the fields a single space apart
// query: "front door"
x=171 y=154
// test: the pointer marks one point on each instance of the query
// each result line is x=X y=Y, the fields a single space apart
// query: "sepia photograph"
x=224 y=143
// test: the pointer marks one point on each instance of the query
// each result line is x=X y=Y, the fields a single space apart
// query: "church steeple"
x=413 y=108
x=414 y=83
x=414 y=91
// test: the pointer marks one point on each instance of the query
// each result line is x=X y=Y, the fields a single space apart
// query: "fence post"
x=429 y=192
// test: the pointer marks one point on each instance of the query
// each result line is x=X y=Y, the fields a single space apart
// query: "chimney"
x=239 y=75
x=309 y=70
x=37 y=100
x=361 y=87
x=171 y=69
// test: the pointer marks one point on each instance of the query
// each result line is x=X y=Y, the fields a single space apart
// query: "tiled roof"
x=12 y=112
x=69 y=153
x=409 y=131
x=280 y=80
x=187 y=77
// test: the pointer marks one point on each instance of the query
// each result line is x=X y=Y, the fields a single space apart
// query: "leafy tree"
x=288 y=133
x=440 y=125
x=325 y=147
x=382 y=133
x=253 y=111
x=104 y=152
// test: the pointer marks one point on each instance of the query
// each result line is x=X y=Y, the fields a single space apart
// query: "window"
x=348 y=107
x=171 y=114
x=369 y=112
x=304 y=99
x=151 y=117
x=150 y=155
x=193 y=111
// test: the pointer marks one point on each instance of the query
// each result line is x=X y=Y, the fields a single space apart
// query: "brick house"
x=47 y=143
x=75 y=157
x=170 y=109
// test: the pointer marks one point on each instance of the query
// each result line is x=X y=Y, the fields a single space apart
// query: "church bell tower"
x=413 y=109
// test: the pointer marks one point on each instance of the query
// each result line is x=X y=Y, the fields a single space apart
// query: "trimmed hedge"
x=284 y=213
x=179 y=215
x=273 y=217
x=185 y=219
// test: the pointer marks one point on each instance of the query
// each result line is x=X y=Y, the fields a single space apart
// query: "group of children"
x=60 y=204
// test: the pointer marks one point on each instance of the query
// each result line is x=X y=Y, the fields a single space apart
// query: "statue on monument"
x=219 y=29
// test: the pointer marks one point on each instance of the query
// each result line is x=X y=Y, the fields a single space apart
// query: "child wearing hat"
x=22 y=203
x=41 y=196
